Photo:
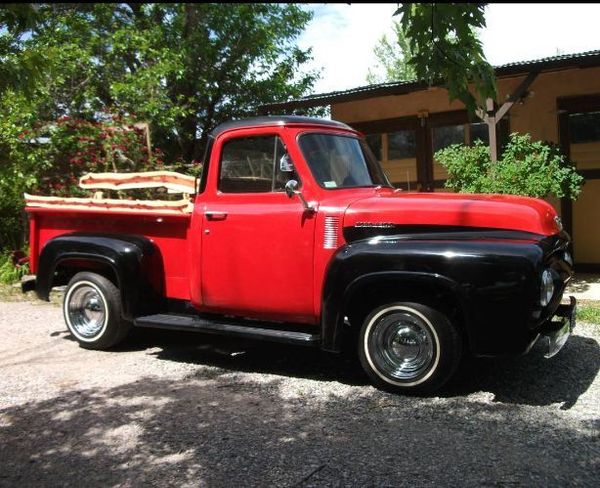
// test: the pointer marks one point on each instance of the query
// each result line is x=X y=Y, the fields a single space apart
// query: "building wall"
x=536 y=116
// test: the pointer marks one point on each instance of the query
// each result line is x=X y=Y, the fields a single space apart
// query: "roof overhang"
x=556 y=63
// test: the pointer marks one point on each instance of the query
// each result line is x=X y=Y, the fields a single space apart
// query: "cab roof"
x=278 y=120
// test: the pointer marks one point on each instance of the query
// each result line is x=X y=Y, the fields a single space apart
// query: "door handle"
x=215 y=215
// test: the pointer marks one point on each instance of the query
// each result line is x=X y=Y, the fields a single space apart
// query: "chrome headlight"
x=547 y=288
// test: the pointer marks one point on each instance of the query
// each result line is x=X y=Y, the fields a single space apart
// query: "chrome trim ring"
x=401 y=346
x=86 y=311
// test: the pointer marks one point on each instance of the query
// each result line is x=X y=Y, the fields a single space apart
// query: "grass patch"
x=9 y=271
x=589 y=311
x=12 y=293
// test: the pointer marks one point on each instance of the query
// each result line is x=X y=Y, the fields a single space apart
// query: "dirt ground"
x=189 y=410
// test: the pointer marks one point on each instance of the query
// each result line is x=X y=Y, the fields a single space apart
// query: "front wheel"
x=92 y=311
x=409 y=348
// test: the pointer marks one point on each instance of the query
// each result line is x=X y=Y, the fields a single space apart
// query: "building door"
x=579 y=130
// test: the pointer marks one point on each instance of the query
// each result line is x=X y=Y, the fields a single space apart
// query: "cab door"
x=257 y=245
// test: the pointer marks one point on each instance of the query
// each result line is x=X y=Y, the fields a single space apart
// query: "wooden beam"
x=492 y=117
x=516 y=95
x=481 y=114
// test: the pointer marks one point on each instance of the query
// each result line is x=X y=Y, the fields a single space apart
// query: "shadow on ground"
x=525 y=380
x=532 y=379
x=497 y=423
x=230 y=431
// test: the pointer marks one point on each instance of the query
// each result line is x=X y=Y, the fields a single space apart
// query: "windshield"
x=341 y=161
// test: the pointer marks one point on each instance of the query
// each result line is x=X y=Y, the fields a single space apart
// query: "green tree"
x=445 y=48
x=20 y=68
x=20 y=164
x=392 y=59
x=182 y=67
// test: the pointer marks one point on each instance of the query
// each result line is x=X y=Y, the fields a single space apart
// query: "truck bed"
x=166 y=223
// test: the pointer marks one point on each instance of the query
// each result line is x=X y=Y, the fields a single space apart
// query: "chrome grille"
x=331 y=232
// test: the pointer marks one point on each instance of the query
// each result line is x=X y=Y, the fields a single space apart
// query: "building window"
x=374 y=142
x=584 y=127
x=401 y=144
x=479 y=132
x=443 y=137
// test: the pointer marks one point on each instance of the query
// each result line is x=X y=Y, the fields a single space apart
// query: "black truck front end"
x=507 y=285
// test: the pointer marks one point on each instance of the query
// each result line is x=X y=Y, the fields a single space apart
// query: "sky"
x=343 y=35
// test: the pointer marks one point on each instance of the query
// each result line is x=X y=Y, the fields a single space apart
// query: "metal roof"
x=552 y=63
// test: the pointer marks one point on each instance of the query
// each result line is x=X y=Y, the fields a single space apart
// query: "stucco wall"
x=536 y=116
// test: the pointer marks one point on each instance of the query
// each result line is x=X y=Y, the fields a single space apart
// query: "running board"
x=251 y=331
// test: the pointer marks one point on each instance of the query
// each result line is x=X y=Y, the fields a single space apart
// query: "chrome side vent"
x=331 y=232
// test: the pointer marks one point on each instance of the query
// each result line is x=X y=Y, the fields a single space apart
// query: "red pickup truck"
x=294 y=234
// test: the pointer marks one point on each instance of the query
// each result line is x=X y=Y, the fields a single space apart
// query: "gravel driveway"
x=191 y=410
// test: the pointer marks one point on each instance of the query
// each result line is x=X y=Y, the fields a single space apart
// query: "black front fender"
x=129 y=258
x=340 y=298
x=492 y=278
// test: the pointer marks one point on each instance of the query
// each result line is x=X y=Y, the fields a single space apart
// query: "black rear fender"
x=130 y=262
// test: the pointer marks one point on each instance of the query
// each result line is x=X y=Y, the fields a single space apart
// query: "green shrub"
x=529 y=168
x=11 y=272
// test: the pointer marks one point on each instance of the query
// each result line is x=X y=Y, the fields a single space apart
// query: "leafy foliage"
x=531 y=168
x=76 y=78
x=183 y=68
x=444 y=48
x=20 y=67
x=49 y=157
x=392 y=58
x=19 y=166
x=76 y=147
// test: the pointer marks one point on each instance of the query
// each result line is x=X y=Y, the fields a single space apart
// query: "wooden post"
x=148 y=143
x=491 y=117
x=491 y=123
x=145 y=126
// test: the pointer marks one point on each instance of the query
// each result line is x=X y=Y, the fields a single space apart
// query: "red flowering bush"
x=47 y=158
x=77 y=147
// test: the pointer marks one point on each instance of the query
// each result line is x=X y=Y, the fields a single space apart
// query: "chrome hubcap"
x=401 y=345
x=87 y=311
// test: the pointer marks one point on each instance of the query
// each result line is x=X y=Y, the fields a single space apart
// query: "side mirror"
x=291 y=189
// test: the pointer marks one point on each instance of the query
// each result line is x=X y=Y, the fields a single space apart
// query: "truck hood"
x=453 y=210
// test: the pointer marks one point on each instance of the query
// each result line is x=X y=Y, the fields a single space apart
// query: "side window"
x=255 y=165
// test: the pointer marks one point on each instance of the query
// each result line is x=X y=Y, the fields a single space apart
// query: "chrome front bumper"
x=556 y=332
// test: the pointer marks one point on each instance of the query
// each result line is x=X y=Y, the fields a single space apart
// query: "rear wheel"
x=92 y=311
x=409 y=348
